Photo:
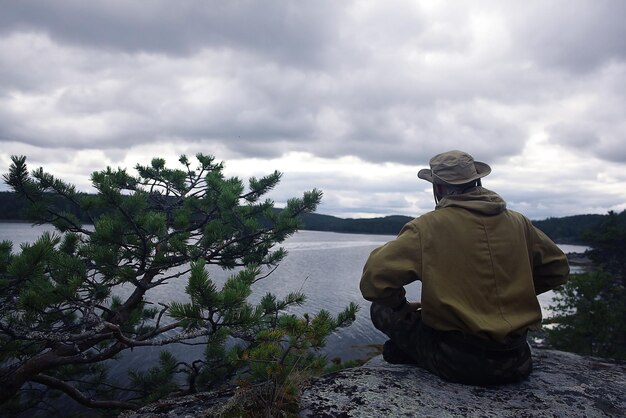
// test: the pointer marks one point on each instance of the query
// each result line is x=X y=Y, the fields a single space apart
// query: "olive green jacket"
x=480 y=264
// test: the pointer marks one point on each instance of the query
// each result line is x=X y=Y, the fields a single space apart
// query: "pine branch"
x=78 y=396
x=129 y=342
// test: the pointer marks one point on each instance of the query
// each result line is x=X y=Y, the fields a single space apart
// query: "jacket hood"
x=478 y=199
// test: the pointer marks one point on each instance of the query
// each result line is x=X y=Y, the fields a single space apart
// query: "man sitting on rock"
x=481 y=267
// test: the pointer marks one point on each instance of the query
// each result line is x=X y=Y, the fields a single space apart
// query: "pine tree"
x=62 y=314
x=590 y=309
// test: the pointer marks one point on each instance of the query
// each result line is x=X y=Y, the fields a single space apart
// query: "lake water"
x=325 y=266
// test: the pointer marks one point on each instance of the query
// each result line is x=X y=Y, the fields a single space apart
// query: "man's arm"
x=550 y=266
x=390 y=267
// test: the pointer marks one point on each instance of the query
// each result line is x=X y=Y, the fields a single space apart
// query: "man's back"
x=477 y=267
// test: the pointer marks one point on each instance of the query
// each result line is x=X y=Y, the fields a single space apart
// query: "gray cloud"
x=292 y=31
x=596 y=126
x=578 y=36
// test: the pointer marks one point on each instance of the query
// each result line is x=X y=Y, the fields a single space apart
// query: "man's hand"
x=408 y=308
x=413 y=306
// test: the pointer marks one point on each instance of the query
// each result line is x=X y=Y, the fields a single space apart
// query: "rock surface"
x=561 y=385
x=203 y=404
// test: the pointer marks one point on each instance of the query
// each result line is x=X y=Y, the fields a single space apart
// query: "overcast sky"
x=351 y=97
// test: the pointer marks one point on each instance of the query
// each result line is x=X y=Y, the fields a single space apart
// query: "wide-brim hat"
x=454 y=167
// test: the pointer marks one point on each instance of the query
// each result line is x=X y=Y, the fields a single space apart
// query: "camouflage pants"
x=452 y=356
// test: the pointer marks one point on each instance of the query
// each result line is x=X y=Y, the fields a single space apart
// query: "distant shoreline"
x=569 y=230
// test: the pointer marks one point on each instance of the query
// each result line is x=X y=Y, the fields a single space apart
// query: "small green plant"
x=590 y=309
x=285 y=356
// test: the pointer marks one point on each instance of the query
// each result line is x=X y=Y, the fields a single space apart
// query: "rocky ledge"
x=561 y=385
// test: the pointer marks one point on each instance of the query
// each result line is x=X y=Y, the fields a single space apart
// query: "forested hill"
x=570 y=229
x=389 y=225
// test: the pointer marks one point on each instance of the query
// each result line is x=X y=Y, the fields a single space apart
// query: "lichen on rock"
x=561 y=385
